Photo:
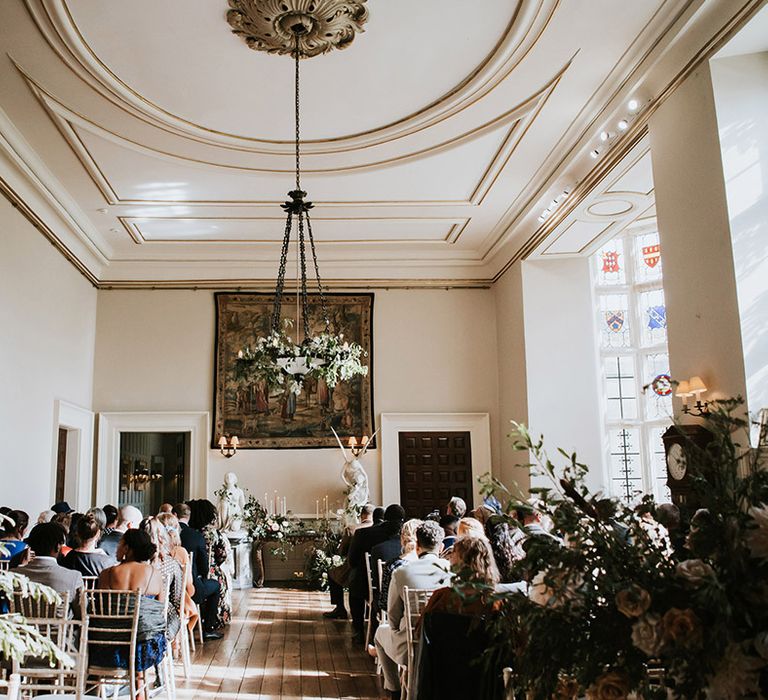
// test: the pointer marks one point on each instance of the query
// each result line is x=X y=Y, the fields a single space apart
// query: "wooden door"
x=433 y=467
x=61 y=465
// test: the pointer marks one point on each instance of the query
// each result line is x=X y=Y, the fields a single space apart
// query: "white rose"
x=694 y=571
x=645 y=634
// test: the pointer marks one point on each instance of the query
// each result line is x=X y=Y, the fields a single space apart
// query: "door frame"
x=197 y=424
x=78 y=474
x=478 y=425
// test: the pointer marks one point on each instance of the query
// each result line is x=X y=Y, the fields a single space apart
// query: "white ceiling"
x=156 y=145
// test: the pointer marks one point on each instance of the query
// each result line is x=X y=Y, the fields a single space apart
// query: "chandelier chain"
x=281 y=276
x=321 y=289
x=296 y=105
x=304 y=296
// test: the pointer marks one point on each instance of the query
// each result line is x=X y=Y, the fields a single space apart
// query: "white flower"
x=757 y=536
x=645 y=634
x=694 y=571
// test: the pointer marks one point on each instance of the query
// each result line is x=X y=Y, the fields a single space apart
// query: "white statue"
x=231 y=505
x=353 y=474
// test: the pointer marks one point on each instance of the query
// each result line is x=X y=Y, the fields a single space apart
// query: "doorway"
x=434 y=466
x=154 y=469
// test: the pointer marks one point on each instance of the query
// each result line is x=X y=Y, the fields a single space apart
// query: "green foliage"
x=615 y=603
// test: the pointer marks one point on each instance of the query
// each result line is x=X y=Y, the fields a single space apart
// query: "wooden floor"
x=280 y=646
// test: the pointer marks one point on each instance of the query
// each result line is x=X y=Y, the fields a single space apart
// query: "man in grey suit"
x=46 y=540
x=428 y=571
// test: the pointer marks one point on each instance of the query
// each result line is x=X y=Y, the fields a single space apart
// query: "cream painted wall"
x=513 y=400
x=434 y=351
x=48 y=320
x=563 y=390
x=741 y=97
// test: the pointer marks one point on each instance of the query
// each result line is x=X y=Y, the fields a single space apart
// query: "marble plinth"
x=242 y=576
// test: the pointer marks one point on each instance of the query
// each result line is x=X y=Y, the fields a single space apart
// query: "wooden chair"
x=114 y=622
x=184 y=635
x=59 y=680
x=369 y=603
x=90 y=582
x=5 y=564
x=39 y=608
x=414 y=602
x=199 y=624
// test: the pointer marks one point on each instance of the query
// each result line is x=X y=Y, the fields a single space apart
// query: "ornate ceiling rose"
x=267 y=25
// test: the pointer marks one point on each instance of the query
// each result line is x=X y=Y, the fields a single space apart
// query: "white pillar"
x=704 y=332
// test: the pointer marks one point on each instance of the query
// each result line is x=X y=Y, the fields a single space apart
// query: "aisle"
x=280 y=646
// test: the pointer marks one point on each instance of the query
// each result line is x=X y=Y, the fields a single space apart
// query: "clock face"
x=676 y=462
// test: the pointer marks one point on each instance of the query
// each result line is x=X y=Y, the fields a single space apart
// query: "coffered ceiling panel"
x=155 y=146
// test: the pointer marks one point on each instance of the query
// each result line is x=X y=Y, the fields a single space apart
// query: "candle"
x=266 y=500
x=317 y=509
x=285 y=507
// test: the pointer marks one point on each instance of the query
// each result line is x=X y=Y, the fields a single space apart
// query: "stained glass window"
x=632 y=337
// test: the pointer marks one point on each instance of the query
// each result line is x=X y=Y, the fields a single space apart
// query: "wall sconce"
x=693 y=387
x=229 y=445
x=357 y=448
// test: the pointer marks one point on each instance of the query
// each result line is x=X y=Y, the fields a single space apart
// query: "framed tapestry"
x=257 y=414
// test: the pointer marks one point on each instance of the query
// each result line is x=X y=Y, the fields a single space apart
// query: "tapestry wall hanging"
x=268 y=416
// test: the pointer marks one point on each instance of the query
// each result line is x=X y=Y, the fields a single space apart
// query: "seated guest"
x=14 y=525
x=45 y=516
x=449 y=523
x=165 y=508
x=338 y=577
x=170 y=569
x=428 y=571
x=470 y=527
x=87 y=557
x=204 y=519
x=110 y=513
x=171 y=524
x=483 y=513
x=378 y=515
x=134 y=572
x=64 y=521
x=385 y=551
x=506 y=544
x=456 y=507
x=454 y=628
x=62 y=507
x=46 y=541
x=206 y=590
x=98 y=515
x=129 y=518
x=408 y=553
x=364 y=540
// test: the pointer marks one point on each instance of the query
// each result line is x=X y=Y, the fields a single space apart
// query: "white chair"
x=380 y=570
x=90 y=582
x=39 y=608
x=369 y=603
x=414 y=602
x=58 y=680
x=199 y=624
x=5 y=564
x=183 y=638
x=11 y=687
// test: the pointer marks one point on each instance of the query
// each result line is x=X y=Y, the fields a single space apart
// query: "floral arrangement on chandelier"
x=281 y=362
x=622 y=610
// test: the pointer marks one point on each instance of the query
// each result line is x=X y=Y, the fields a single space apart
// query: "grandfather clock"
x=677 y=439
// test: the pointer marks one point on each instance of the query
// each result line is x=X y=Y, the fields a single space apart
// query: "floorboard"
x=280 y=647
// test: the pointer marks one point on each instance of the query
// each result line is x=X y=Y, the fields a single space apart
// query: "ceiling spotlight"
x=594 y=153
x=623 y=125
x=604 y=135
x=102 y=211
x=632 y=105
x=540 y=219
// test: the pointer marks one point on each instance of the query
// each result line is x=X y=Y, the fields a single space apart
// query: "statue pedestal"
x=242 y=576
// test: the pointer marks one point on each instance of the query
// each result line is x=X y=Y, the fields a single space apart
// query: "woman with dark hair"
x=204 y=518
x=135 y=551
x=506 y=544
x=14 y=525
x=87 y=558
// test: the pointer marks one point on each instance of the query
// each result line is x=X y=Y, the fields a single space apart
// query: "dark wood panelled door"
x=433 y=467
x=61 y=465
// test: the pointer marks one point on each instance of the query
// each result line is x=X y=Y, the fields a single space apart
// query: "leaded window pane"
x=620 y=387
x=657 y=379
x=648 y=257
x=653 y=311
x=614 y=321
x=658 y=465
x=626 y=468
x=611 y=264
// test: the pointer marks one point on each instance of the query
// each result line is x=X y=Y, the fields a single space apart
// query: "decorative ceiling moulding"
x=528 y=23
x=636 y=131
x=266 y=25
x=521 y=115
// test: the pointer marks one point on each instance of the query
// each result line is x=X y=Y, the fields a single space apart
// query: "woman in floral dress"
x=204 y=518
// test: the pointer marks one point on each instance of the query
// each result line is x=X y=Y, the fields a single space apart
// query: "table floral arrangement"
x=615 y=611
x=274 y=529
x=323 y=556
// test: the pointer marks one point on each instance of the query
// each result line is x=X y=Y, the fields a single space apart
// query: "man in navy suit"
x=206 y=589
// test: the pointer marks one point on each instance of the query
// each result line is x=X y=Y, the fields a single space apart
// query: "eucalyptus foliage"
x=615 y=610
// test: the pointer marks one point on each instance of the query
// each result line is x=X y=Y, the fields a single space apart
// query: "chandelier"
x=277 y=359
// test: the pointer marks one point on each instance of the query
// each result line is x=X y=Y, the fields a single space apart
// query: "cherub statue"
x=231 y=505
x=353 y=474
